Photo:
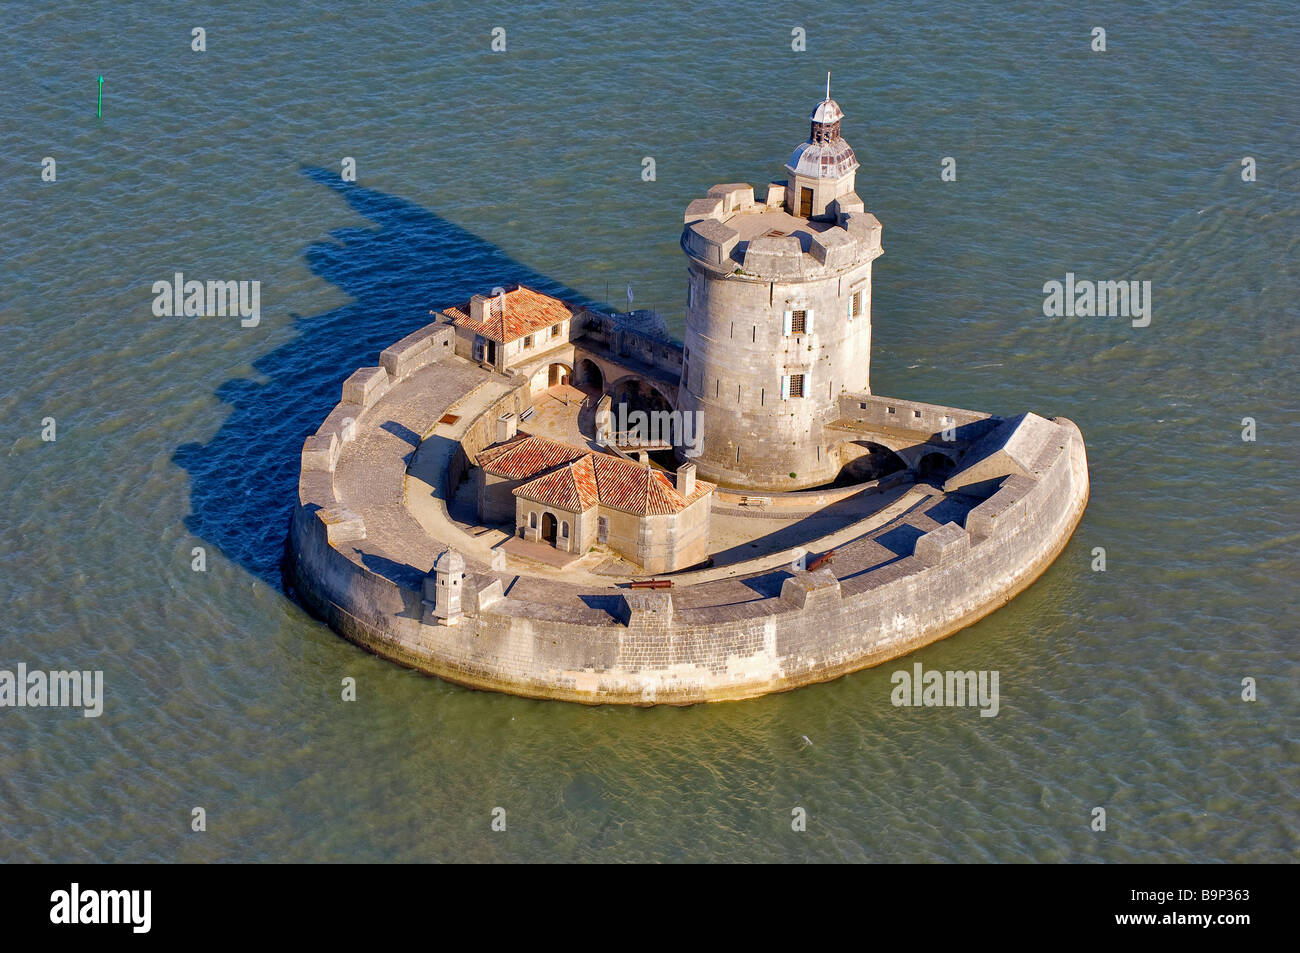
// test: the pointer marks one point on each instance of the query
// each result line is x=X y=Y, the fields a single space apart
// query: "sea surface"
x=1119 y=689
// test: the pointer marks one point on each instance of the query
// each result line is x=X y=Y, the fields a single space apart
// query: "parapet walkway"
x=394 y=473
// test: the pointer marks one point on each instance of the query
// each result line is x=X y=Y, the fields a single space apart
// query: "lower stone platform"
x=540 y=552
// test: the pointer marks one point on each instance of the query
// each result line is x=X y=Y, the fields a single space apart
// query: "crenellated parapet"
x=730 y=233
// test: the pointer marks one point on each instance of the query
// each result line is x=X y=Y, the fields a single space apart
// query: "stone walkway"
x=393 y=476
x=371 y=472
x=560 y=412
x=424 y=497
x=557 y=415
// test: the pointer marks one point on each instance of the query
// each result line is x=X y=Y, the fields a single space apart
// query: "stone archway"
x=588 y=374
x=639 y=393
x=867 y=460
x=542 y=377
x=935 y=464
x=558 y=373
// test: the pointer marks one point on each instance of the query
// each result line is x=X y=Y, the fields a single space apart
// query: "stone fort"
x=555 y=500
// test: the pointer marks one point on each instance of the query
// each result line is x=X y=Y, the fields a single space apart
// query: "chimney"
x=507 y=427
x=686 y=479
x=478 y=308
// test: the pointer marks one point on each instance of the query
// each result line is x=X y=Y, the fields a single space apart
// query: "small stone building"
x=505 y=465
x=636 y=510
x=443 y=586
x=512 y=328
x=573 y=498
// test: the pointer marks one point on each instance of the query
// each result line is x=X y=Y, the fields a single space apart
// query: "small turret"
x=449 y=573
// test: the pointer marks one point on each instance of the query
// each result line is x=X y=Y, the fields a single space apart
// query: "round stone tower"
x=778 y=317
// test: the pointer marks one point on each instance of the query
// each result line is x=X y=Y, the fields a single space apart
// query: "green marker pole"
x=99 y=109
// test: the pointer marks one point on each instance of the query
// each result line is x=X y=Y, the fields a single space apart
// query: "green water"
x=1118 y=689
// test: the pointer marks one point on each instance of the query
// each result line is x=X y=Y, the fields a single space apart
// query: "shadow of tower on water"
x=243 y=482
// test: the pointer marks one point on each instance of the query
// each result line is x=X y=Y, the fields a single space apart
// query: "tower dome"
x=825 y=154
x=828 y=111
x=822 y=168
x=449 y=561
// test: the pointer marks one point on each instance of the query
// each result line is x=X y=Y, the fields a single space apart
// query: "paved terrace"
x=392 y=476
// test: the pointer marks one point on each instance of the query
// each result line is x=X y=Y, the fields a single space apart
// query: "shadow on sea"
x=243 y=482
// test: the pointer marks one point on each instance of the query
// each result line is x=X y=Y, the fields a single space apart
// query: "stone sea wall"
x=648 y=650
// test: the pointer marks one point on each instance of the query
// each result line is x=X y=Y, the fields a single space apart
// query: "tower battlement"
x=778 y=315
x=730 y=233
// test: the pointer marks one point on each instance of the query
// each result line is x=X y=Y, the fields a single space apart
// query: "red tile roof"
x=639 y=489
x=525 y=311
x=572 y=487
x=610 y=481
x=526 y=455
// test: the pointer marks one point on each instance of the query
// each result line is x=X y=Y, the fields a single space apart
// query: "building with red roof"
x=511 y=328
x=575 y=498
x=509 y=463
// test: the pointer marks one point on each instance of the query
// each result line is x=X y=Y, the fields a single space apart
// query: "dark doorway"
x=935 y=466
x=639 y=395
x=548 y=528
x=879 y=461
x=589 y=375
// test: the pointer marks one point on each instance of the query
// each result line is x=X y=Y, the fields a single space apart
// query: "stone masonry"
x=776 y=361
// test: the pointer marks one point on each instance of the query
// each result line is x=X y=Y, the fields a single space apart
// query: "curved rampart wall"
x=482 y=433
x=818 y=628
